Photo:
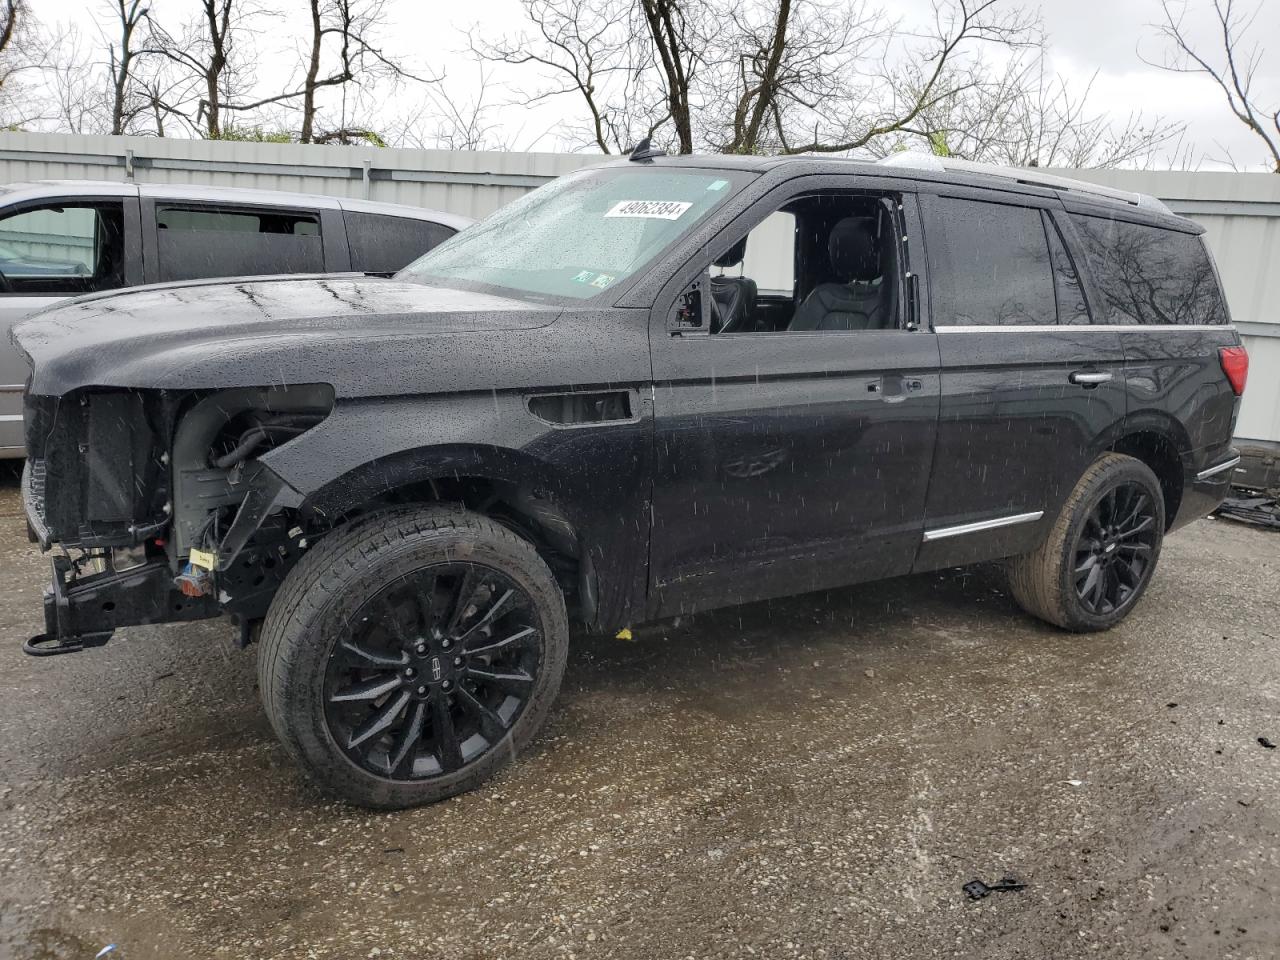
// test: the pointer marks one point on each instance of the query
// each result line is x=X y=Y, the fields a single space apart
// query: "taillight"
x=1235 y=364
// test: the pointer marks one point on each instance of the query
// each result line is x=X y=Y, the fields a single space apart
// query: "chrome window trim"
x=1060 y=327
x=979 y=526
x=1220 y=468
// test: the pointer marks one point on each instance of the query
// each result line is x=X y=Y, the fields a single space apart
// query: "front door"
x=795 y=417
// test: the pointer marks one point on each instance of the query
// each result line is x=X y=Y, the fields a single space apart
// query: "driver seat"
x=733 y=299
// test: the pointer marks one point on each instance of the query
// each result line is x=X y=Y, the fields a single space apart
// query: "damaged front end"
x=159 y=507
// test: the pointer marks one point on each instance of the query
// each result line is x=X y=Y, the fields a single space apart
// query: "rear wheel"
x=408 y=658
x=1102 y=551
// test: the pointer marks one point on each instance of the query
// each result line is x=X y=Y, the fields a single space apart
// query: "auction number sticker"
x=650 y=209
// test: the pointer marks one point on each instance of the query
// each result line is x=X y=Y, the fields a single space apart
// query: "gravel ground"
x=813 y=777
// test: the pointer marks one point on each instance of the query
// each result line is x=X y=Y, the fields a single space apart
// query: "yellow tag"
x=623 y=634
x=202 y=559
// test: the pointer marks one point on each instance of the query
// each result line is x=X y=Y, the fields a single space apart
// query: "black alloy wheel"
x=1115 y=550
x=1099 y=555
x=412 y=654
x=432 y=671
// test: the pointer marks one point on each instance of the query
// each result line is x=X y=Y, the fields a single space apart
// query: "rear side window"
x=199 y=242
x=1147 y=275
x=989 y=265
x=381 y=244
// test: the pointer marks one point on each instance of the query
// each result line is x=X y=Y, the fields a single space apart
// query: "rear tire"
x=1100 y=555
x=411 y=655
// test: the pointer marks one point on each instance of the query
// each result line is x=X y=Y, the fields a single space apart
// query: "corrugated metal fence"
x=1241 y=211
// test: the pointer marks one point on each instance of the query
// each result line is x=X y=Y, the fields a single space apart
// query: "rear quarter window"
x=382 y=244
x=1150 y=276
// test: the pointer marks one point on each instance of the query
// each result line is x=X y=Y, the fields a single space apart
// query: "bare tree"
x=594 y=51
x=902 y=84
x=786 y=76
x=1233 y=68
x=21 y=56
x=1022 y=115
x=339 y=52
x=124 y=56
x=450 y=121
x=204 y=54
x=73 y=84
x=675 y=42
x=796 y=57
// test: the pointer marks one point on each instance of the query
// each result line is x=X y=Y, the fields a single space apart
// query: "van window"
x=1072 y=308
x=1148 y=275
x=989 y=264
x=62 y=248
x=195 y=242
x=382 y=244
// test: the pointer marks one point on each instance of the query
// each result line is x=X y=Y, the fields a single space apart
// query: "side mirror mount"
x=692 y=309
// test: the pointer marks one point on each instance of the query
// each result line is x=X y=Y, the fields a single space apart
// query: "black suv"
x=651 y=387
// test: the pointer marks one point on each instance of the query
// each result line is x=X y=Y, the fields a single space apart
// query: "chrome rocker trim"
x=941 y=533
x=1220 y=468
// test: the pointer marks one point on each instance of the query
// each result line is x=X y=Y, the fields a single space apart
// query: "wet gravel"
x=812 y=777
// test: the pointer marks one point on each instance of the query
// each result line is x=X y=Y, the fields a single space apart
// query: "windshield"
x=579 y=235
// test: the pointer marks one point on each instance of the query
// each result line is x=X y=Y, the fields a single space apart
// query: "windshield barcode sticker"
x=650 y=209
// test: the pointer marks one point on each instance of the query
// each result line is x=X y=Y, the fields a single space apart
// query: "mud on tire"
x=411 y=655
x=1103 y=548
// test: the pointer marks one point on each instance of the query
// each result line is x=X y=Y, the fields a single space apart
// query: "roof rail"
x=935 y=164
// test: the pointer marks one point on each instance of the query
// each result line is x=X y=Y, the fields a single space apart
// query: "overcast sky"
x=1086 y=37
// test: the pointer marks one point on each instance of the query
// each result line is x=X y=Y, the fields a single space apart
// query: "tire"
x=1057 y=581
x=443 y=620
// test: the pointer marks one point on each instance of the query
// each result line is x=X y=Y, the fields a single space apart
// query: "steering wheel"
x=5 y=285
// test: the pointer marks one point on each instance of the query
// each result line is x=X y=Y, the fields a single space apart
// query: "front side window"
x=989 y=265
x=579 y=236
x=62 y=249
x=1147 y=275
x=198 y=242
x=824 y=262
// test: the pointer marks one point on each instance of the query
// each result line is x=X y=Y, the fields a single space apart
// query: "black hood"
x=249 y=332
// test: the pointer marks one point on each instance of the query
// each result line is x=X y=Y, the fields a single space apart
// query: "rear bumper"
x=1205 y=490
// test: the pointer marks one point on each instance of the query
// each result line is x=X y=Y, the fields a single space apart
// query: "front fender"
x=367 y=448
x=595 y=480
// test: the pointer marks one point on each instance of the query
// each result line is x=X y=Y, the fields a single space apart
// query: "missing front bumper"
x=83 y=612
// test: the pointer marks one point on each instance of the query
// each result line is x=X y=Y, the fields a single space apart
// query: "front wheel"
x=1102 y=551
x=407 y=658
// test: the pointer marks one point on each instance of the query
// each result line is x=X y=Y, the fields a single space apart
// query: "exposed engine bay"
x=162 y=509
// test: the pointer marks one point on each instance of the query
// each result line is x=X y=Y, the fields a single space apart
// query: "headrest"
x=852 y=248
x=733 y=256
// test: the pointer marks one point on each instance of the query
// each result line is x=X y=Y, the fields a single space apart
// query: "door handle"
x=892 y=388
x=1090 y=378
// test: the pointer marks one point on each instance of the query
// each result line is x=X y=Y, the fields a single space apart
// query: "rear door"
x=52 y=249
x=1030 y=387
